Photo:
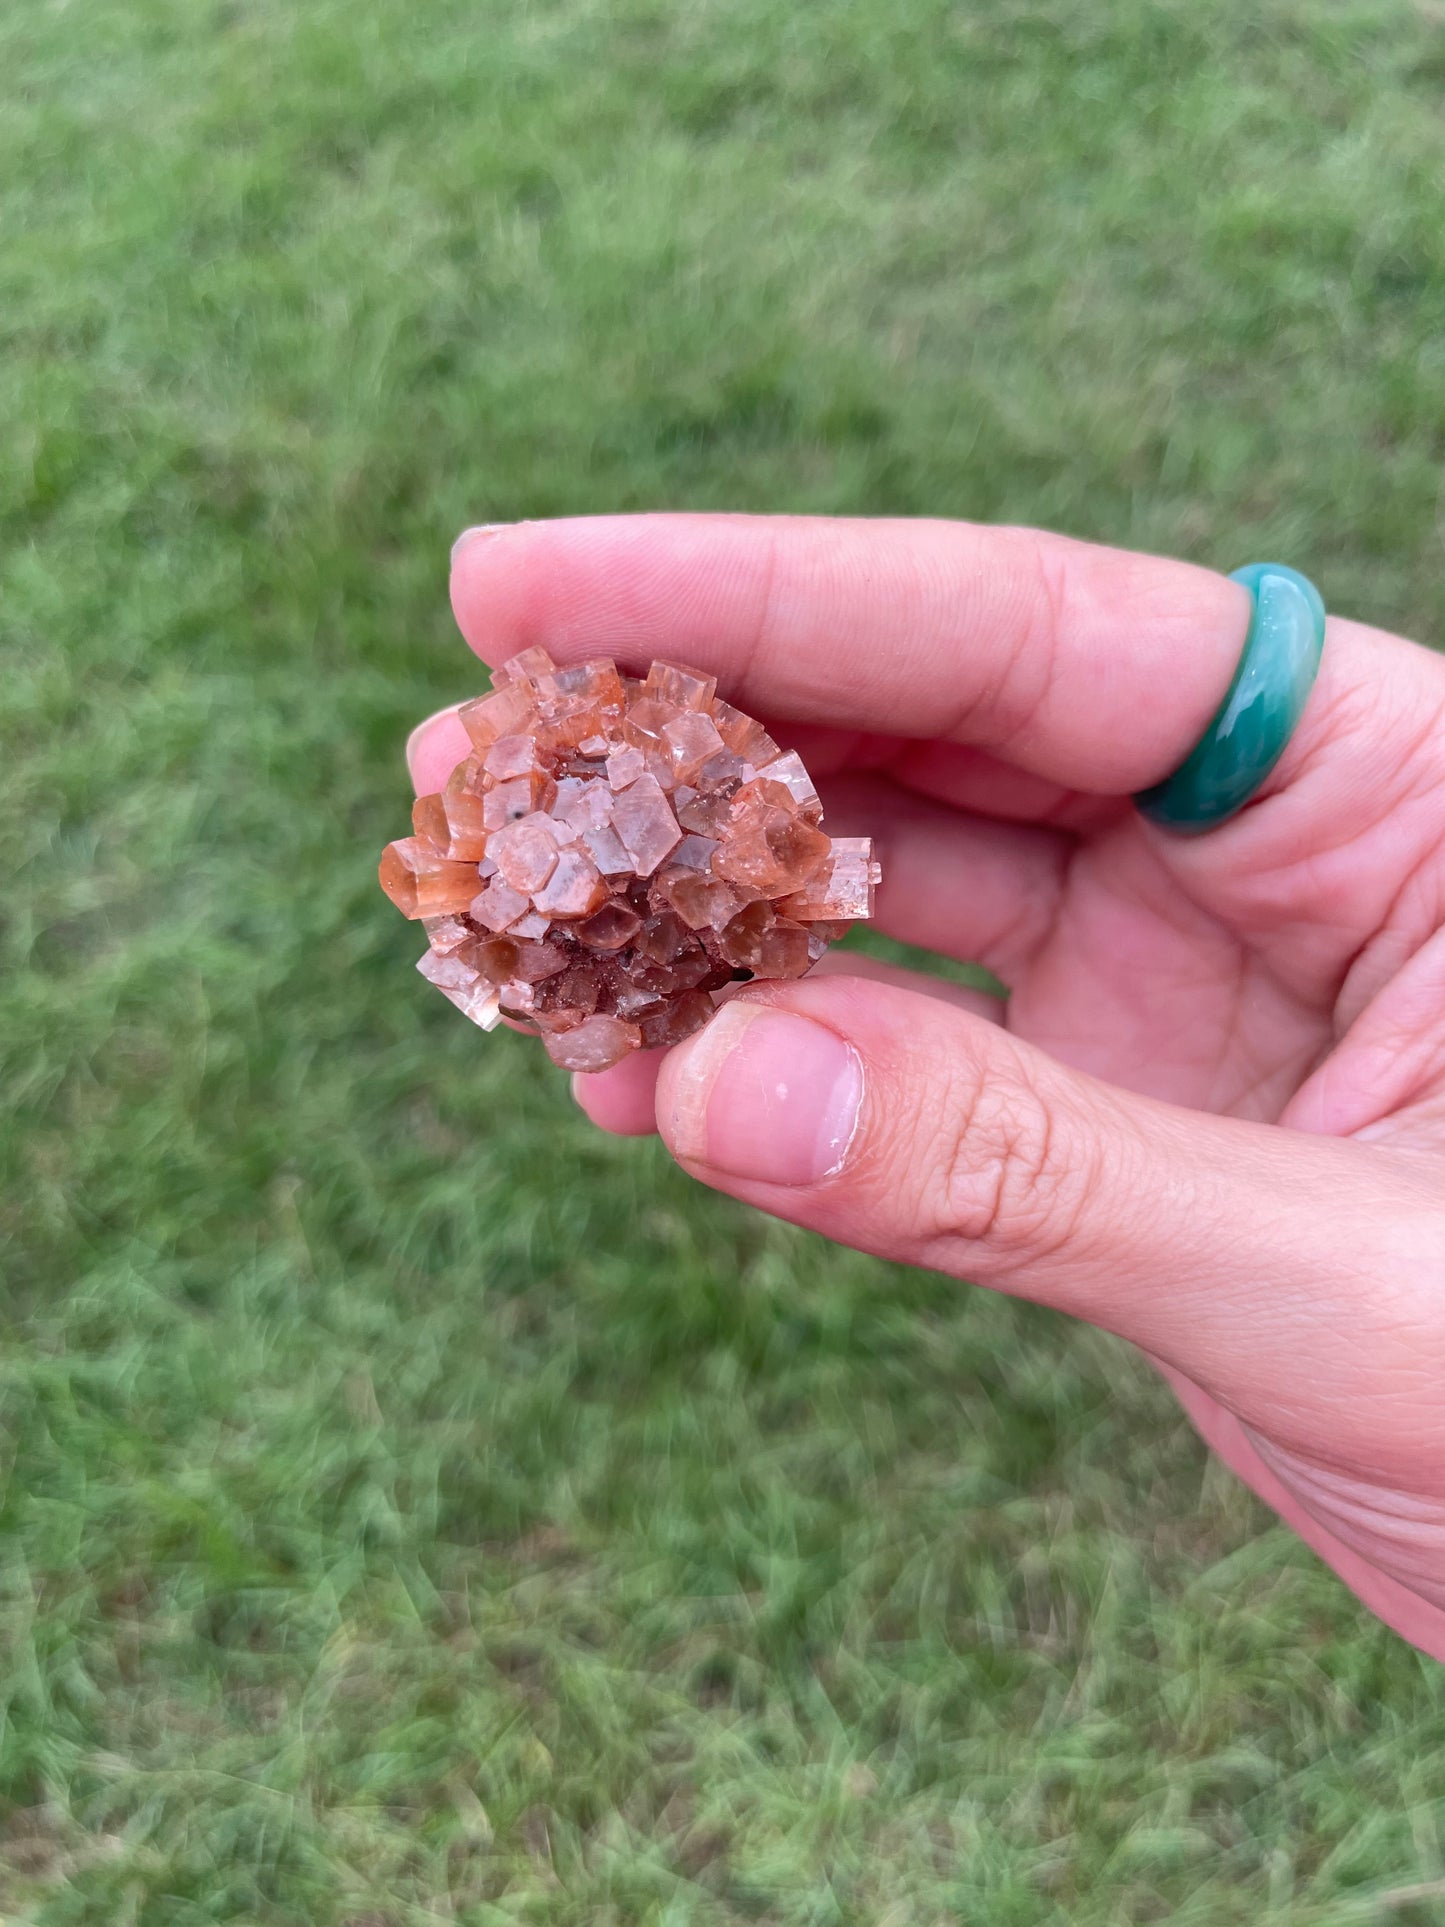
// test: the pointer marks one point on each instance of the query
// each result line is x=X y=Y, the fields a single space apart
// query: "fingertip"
x=498 y=586
x=434 y=748
x=622 y=1101
x=626 y=586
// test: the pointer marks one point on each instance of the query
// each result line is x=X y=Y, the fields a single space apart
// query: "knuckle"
x=1007 y=1184
x=1028 y=673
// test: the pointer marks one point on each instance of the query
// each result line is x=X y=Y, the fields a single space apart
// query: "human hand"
x=1210 y=1113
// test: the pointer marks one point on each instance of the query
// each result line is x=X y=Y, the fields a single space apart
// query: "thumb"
x=1288 y=1275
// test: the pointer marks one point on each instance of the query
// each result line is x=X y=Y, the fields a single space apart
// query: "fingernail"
x=764 y=1094
x=469 y=536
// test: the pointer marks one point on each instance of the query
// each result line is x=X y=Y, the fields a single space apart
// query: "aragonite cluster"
x=614 y=851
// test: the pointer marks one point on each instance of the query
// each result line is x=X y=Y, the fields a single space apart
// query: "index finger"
x=1091 y=666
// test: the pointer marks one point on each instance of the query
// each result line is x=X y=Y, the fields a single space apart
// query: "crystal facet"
x=612 y=853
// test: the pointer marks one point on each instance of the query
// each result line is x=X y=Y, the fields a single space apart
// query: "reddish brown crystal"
x=842 y=887
x=525 y=852
x=614 y=925
x=613 y=853
x=473 y=995
x=422 y=884
x=519 y=796
x=595 y=1045
x=575 y=888
x=498 y=906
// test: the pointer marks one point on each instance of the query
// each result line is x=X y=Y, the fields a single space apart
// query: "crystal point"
x=422 y=884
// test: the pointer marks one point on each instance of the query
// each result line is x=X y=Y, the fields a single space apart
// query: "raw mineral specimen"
x=612 y=852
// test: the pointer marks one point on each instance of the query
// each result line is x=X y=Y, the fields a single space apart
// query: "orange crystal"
x=613 y=854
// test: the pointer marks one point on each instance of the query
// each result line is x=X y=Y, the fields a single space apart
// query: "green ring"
x=1248 y=732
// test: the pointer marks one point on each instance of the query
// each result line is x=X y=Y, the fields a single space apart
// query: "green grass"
x=416 y=1509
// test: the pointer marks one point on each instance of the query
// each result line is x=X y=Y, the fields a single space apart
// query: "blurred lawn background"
x=417 y=1509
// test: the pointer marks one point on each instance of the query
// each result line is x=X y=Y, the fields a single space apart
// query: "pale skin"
x=1210 y=1113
